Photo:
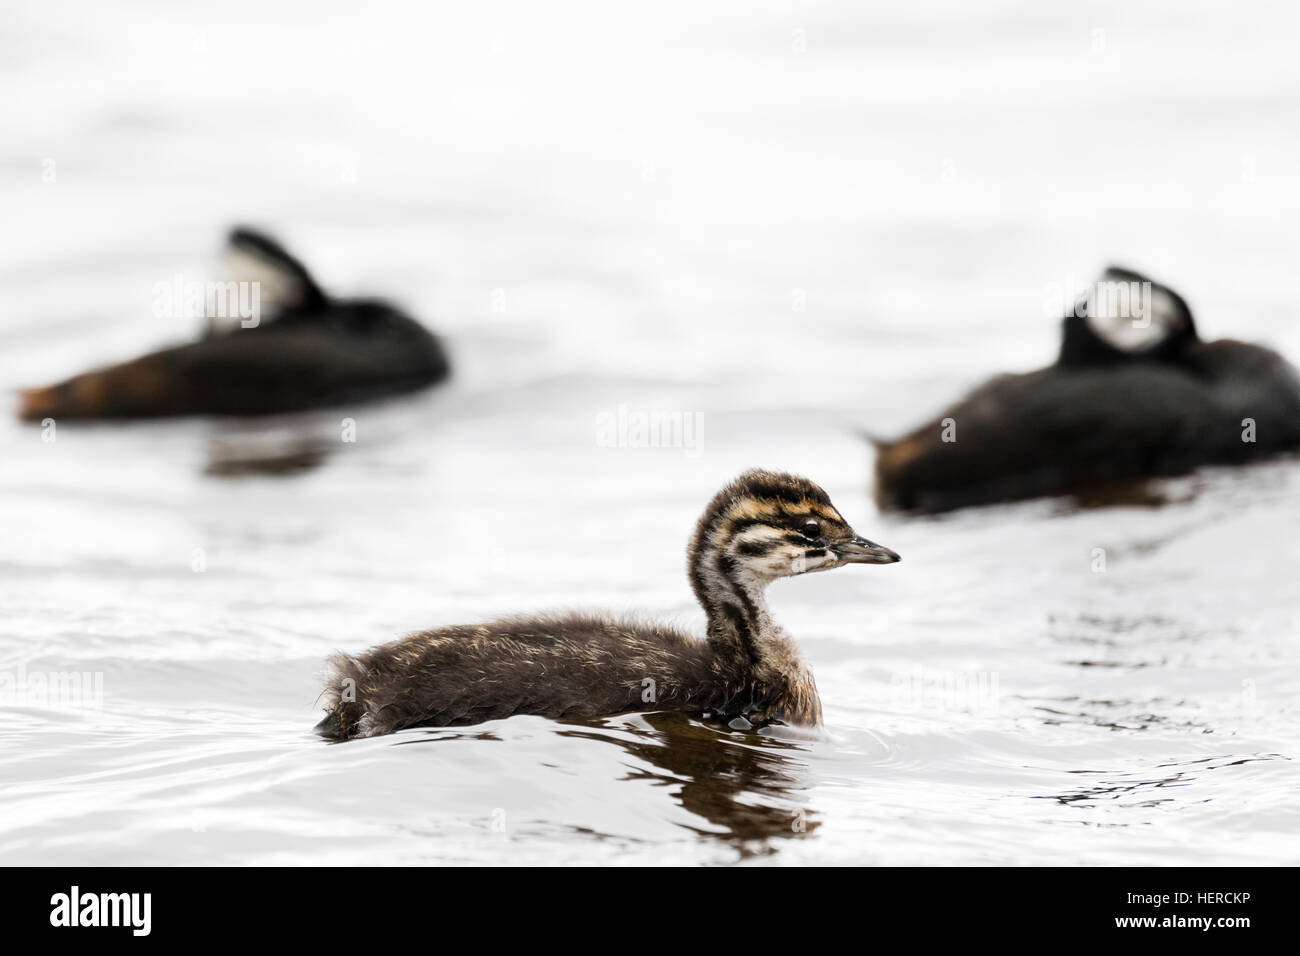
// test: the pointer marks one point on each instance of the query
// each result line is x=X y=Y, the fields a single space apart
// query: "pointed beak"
x=862 y=551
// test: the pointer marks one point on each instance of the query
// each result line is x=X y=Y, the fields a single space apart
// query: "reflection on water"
x=273 y=453
x=746 y=785
x=742 y=789
x=1137 y=493
x=1152 y=790
x=1125 y=715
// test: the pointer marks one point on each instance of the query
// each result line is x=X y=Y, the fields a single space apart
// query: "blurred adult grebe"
x=1134 y=394
x=304 y=350
x=747 y=672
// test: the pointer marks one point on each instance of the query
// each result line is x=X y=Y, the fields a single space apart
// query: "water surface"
x=795 y=222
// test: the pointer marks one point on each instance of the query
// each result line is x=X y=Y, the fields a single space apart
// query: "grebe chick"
x=297 y=348
x=1133 y=395
x=761 y=527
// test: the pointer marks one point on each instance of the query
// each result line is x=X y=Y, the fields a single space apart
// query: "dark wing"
x=1053 y=431
x=1252 y=383
x=246 y=372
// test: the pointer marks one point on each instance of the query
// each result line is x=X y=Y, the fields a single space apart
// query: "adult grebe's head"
x=288 y=295
x=767 y=525
x=283 y=284
x=1125 y=316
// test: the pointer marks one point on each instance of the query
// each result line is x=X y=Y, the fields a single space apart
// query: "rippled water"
x=795 y=223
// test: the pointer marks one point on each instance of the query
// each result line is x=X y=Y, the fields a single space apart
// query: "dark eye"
x=811 y=529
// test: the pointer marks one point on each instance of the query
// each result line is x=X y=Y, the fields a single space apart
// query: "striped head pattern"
x=768 y=525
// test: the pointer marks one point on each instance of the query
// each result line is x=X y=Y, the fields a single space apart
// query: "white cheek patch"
x=759 y=534
x=827 y=559
x=277 y=288
x=787 y=561
x=1130 y=316
x=782 y=558
x=801 y=563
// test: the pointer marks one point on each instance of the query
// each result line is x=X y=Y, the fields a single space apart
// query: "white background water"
x=796 y=220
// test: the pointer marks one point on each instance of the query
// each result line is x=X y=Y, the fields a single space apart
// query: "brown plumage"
x=761 y=527
x=308 y=350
